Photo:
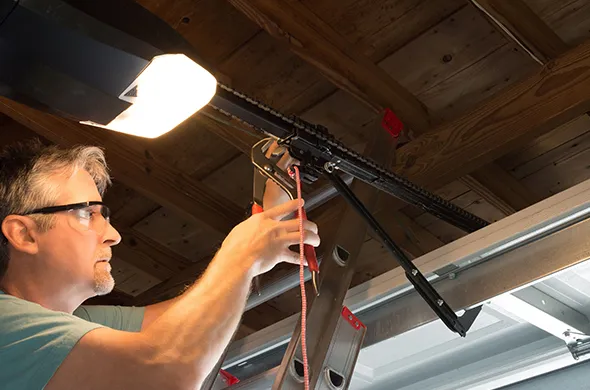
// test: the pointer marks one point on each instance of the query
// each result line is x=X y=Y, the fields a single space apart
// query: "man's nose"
x=111 y=236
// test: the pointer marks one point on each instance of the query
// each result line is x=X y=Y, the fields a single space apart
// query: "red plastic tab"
x=351 y=318
x=256 y=208
x=229 y=378
x=309 y=250
x=391 y=123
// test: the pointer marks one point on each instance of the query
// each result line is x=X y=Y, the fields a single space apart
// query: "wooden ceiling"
x=493 y=94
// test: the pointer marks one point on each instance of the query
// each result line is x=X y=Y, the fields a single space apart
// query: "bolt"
x=329 y=167
x=268 y=168
x=350 y=317
x=440 y=302
x=357 y=324
x=414 y=272
x=452 y=275
x=447 y=58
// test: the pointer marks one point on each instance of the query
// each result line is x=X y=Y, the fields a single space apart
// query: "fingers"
x=309 y=238
x=293 y=258
x=281 y=211
x=293 y=225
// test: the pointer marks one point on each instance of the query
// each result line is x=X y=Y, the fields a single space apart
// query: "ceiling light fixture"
x=108 y=63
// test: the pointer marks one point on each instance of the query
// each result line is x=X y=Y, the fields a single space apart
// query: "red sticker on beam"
x=229 y=378
x=391 y=123
x=351 y=318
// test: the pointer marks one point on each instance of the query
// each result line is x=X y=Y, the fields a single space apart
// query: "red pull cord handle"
x=309 y=250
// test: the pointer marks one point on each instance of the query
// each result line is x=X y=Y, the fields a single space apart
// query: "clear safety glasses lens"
x=94 y=218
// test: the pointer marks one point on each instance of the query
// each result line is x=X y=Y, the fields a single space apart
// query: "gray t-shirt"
x=34 y=341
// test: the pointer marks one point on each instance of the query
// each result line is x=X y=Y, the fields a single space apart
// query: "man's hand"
x=263 y=240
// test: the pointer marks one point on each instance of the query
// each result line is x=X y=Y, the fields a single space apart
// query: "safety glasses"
x=86 y=216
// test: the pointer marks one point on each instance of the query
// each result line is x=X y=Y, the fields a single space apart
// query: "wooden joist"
x=518 y=21
x=235 y=133
x=313 y=40
x=554 y=95
x=507 y=193
x=350 y=70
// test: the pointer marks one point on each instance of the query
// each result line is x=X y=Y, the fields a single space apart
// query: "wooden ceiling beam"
x=313 y=40
x=500 y=189
x=519 y=22
x=134 y=166
x=550 y=97
x=237 y=134
x=317 y=43
x=507 y=194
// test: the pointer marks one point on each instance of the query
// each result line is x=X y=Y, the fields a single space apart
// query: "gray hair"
x=24 y=170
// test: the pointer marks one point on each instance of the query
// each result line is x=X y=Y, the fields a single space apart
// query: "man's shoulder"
x=34 y=341
x=25 y=319
x=6 y=299
x=11 y=306
x=128 y=318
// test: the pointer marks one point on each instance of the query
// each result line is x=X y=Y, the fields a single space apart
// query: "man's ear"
x=21 y=233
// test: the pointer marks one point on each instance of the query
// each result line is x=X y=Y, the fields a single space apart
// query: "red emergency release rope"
x=302 y=283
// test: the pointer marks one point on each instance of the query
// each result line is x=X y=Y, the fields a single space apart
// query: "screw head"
x=440 y=302
x=414 y=272
x=268 y=168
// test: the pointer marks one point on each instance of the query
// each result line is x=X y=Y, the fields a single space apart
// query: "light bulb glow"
x=168 y=91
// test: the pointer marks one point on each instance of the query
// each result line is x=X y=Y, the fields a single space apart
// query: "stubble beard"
x=104 y=282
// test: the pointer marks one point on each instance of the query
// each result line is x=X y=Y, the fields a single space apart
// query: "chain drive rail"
x=318 y=150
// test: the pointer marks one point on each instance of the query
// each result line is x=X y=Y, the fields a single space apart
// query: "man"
x=56 y=242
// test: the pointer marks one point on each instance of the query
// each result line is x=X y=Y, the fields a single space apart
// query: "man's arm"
x=273 y=196
x=153 y=312
x=179 y=348
x=175 y=352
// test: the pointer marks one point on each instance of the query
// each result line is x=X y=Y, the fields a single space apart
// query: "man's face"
x=76 y=256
